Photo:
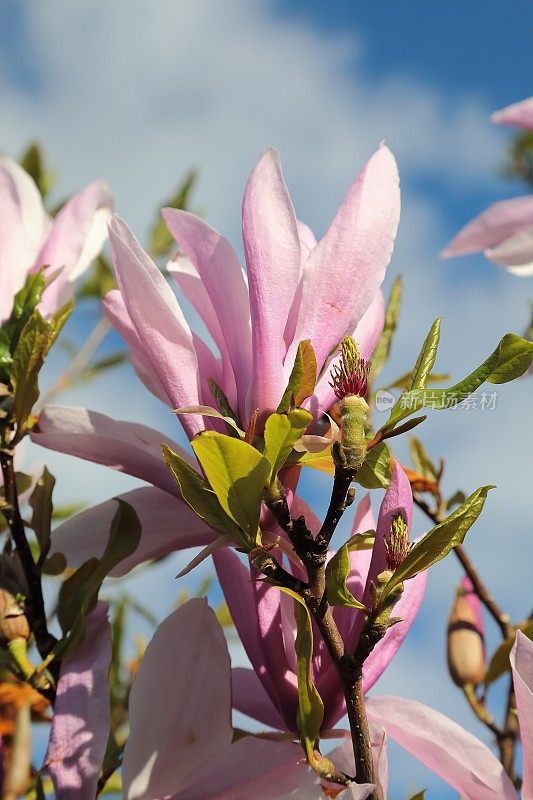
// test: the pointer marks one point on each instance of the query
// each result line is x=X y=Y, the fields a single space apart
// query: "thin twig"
x=80 y=361
x=337 y=505
x=507 y=742
x=500 y=617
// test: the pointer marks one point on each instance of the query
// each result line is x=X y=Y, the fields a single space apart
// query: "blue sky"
x=139 y=92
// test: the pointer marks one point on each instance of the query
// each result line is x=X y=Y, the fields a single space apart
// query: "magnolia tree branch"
x=507 y=735
x=313 y=552
x=500 y=617
x=35 y=602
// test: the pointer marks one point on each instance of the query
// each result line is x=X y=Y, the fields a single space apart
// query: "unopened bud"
x=397 y=545
x=466 y=646
x=13 y=620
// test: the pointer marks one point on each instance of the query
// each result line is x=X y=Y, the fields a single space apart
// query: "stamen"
x=351 y=377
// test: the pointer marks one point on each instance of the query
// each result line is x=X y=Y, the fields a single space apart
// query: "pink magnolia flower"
x=82 y=716
x=504 y=232
x=265 y=622
x=30 y=239
x=297 y=290
x=181 y=739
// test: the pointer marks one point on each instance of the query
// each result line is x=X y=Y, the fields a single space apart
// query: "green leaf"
x=440 y=540
x=337 y=571
x=426 y=358
x=56 y=564
x=36 y=339
x=511 y=359
x=499 y=662
x=281 y=433
x=321 y=461
x=375 y=472
x=24 y=304
x=27 y=362
x=455 y=500
x=39 y=789
x=207 y=411
x=392 y=313
x=79 y=593
x=310 y=706
x=42 y=507
x=222 y=401
x=302 y=378
x=237 y=473
x=361 y=541
x=419 y=795
x=421 y=461
x=198 y=494
x=161 y=239
x=404 y=381
x=100 y=281
x=33 y=162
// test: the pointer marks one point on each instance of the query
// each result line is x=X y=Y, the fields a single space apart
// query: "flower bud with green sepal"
x=349 y=382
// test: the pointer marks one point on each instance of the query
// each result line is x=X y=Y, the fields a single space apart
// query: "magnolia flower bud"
x=13 y=620
x=466 y=647
x=397 y=545
x=349 y=382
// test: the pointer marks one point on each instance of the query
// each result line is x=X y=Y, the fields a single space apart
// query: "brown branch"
x=500 y=617
x=507 y=735
x=313 y=553
x=507 y=741
x=340 y=500
x=34 y=603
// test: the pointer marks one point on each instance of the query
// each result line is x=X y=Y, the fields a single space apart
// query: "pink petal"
x=451 y=752
x=124 y=446
x=366 y=334
x=407 y=608
x=188 y=281
x=272 y=250
x=159 y=321
x=222 y=277
x=250 y=697
x=356 y=791
x=343 y=759
x=117 y=314
x=23 y=225
x=82 y=718
x=492 y=226
x=256 y=612
x=209 y=367
x=474 y=602
x=522 y=666
x=346 y=268
x=185 y=669
x=515 y=254
x=360 y=559
x=398 y=500
x=76 y=237
x=168 y=524
x=307 y=243
x=518 y=114
x=254 y=768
